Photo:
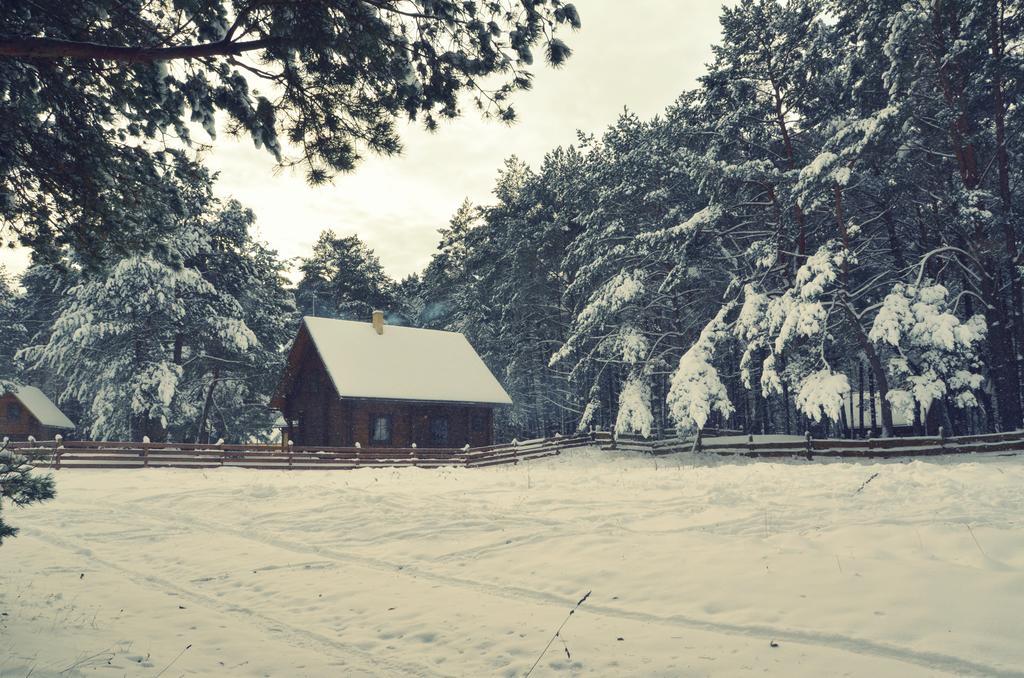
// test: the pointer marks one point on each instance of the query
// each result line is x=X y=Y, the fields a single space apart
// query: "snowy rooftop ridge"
x=41 y=407
x=403 y=363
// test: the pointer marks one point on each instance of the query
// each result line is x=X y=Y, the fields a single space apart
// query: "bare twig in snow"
x=976 y=542
x=172 y=661
x=82 y=661
x=865 y=484
x=558 y=631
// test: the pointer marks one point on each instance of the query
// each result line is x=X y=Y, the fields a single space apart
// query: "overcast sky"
x=638 y=54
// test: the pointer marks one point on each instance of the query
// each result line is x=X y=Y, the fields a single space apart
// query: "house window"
x=439 y=430
x=13 y=411
x=478 y=421
x=380 y=429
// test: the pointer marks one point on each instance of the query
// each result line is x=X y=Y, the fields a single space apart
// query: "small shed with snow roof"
x=26 y=411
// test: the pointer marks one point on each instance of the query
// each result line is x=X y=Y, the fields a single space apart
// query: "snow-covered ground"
x=697 y=567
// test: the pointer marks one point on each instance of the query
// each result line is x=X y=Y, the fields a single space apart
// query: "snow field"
x=696 y=564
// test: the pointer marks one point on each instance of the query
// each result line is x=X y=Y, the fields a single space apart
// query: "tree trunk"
x=882 y=383
x=785 y=405
x=871 y=402
x=787 y=144
x=179 y=348
x=877 y=368
x=1011 y=254
x=1003 y=366
x=894 y=242
x=851 y=422
x=207 y=403
x=860 y=403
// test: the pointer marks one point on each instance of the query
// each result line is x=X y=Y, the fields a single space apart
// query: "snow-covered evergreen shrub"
x=696 y=388
x=936 y=354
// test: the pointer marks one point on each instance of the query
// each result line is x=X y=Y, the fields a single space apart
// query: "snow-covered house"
x=26 y=411
x=349 y=382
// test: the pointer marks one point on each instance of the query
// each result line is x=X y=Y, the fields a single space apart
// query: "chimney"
x=378 y=322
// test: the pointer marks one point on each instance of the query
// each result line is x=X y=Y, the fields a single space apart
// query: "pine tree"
x=92 y=91
x=343 y=278
x=14 y=333
x=20 y=486
x=228 y=389
x=176 y=340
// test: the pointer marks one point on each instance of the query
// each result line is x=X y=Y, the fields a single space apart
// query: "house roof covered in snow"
x=401 y=363
x=41 y=407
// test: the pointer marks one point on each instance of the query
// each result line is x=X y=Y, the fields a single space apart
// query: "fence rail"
x=1012 y=441
x=61 y=454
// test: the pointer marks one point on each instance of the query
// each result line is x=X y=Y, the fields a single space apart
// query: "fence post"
x=57 y=447
x=145 y=451
x=291 y=454
x=750 y=443
x=807 y=443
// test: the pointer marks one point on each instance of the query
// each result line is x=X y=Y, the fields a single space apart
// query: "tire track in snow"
x=861 y=646
x=371 y=663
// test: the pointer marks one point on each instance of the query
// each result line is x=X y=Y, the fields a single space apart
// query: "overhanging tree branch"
x=51 y=48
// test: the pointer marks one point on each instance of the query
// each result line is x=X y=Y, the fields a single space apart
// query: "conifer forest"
x=830 y=217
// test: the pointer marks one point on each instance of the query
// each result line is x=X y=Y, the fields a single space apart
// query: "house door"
x=439 y=431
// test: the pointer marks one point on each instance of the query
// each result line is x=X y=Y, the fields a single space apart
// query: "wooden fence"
x=62 y=454
x=524 y=451
x=808 y=447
